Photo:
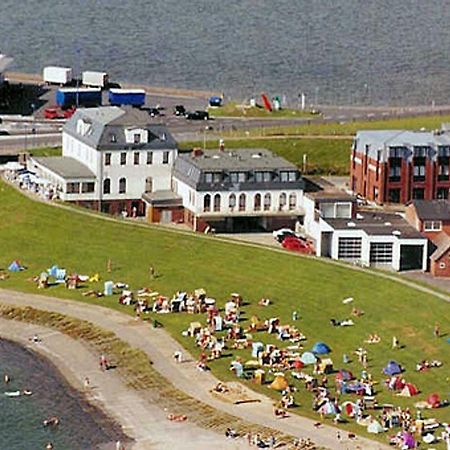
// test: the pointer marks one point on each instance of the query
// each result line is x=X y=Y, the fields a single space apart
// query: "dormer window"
x=113 y=138
x=137 y=138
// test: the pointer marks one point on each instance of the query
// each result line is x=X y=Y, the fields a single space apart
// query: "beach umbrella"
x=279 y=383
x=392 y=368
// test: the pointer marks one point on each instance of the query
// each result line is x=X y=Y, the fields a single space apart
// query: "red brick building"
x=395 y=166
x=440 y=258
x=430 y=217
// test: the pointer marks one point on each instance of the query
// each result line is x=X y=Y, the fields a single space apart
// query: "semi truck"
x=57 y=75
x=74 y=97
x=133 y=97
x=94 y=79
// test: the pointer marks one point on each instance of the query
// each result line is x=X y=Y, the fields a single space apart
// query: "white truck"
x=57 y=75
x=94 y=79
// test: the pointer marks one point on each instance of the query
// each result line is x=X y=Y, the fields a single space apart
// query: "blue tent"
x=308 y=358
x=320 y=348
x=215 y=101
x=392 y=368
x=15 y=267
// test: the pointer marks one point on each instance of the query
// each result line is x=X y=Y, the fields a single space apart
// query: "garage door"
x=411 y=257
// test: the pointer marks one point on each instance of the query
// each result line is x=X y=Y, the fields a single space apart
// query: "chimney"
x=222 y=145
x=196 y=152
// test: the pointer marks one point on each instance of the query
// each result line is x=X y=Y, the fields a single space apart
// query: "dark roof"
x=442 y=242
x=331 y=196
x=377 y=224
x=64 y=166
x=163 y=198
x=190 y=168
x=432 y=209
x=111 y=120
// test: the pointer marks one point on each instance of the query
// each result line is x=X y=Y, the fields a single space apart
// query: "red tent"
x=298 y=364
x=409 y=390
x=434 y=400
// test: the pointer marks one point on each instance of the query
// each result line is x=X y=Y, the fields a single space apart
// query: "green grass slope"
x=41 y=235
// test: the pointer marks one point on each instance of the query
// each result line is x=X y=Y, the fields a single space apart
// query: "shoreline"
x=122 y=405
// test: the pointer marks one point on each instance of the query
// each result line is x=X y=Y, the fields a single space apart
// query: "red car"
x=58 y=113
x=295 y=244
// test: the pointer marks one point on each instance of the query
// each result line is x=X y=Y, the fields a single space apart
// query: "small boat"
x=12 y=394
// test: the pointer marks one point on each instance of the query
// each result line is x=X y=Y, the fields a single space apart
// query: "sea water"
x=82 y=426
x=336 y=52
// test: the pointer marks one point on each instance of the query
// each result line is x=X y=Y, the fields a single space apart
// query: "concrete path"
x=160 y=346
x=144 y=422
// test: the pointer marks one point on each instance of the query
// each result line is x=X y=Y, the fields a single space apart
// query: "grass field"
x=347 y=128
x=324 y=156
x=235 y=110
x=41 y=235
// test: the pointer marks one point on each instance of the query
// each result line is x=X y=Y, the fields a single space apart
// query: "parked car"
x=197 y=115
x=297 y=245
x=4 y=133
x=58 y=113
x=179 y=110
x=153 y=112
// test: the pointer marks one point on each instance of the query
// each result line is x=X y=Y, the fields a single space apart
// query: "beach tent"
x=408 y=440
x=52 y=271
x=434 y=400
x=349 y=408
x=279 y=383
x=257 y=347
x=375 y=428
x=327 y=408
x=298 y=364
x=392 y=368
x=344 y=375
x=15 y=267
x=320 y=348
x=308 y=358
x=409 y=390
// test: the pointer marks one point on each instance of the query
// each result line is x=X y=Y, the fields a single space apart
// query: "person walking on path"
x=437 y=330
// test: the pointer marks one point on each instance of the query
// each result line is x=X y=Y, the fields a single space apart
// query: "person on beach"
x=437 y=330
x=6 y=378
x=103 y=363
x=87 y=383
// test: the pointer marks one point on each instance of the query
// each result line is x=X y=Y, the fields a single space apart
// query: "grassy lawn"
x=324 y=156
x=345 y=128
x=235 y=110
x=46 y=151
x=41 y=235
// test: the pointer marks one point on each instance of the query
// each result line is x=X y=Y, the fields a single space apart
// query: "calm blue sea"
x=82 y=426
x=340 y=51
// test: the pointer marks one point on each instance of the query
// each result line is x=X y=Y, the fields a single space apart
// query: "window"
x=263 y=177
x=327 y=210
x=421 y=151
x=396 y=152
x=242 y=201
x=113 y=138
x=394 y=196
x=444 y=151
x=381 y=253
x=149 y=158
x=419 y=169
x=232 y=201
x=217 y=177
x=137 y=138
x=288 y=176
x=343 y=210
x=292 y=201
x=443 y=168
x=107 y=159
x=87 y=188
x=123 y=158
x=148 y=185
x=208 y=177
x=442 y=194
x=282 y=201
x=442 y=265
x=418 y=194
x=238 y=177
x=216 y=203
x=257 y=202
x=207 y=203
x=122 y=186
x=267 y=202
x=395 y=172
x=165 y=157
x=349 y=248
x=107 y=186
x=136 y=158
x=73 y=188
x=432 y=225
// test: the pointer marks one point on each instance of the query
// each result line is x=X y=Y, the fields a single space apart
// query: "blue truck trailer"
x=74 y=97
x=133 y=97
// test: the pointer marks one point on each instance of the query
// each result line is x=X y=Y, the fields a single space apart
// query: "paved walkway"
x=142 y=421
x=160 y=346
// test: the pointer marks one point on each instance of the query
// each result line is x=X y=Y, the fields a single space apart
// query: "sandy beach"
x=143 y=422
